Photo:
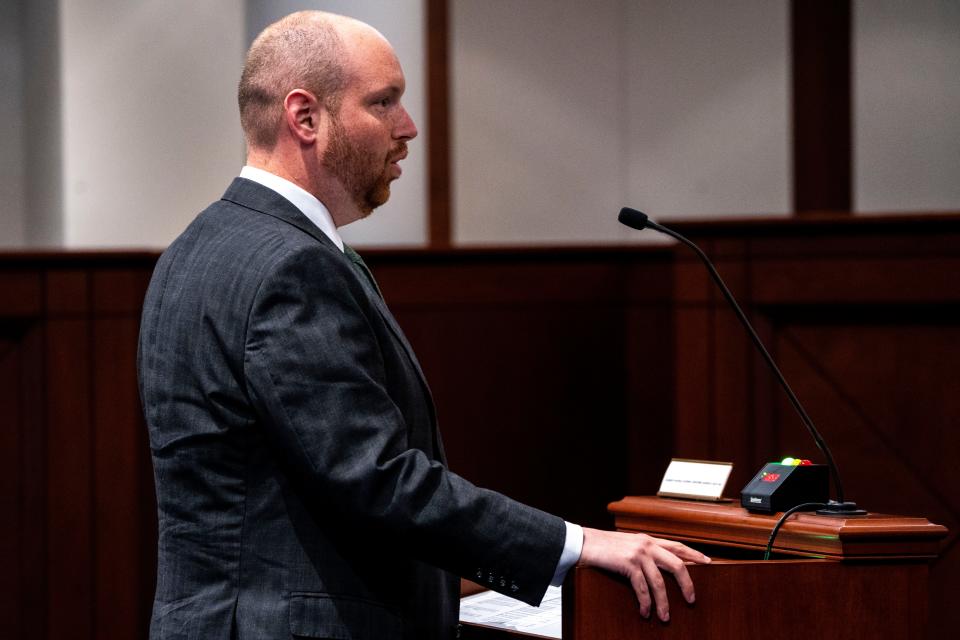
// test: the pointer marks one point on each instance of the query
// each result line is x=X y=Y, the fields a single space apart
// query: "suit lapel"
x=373 y=293
x=375 y=296
x=252 y=195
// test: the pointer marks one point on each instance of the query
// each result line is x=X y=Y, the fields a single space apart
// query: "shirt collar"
x=298 y=197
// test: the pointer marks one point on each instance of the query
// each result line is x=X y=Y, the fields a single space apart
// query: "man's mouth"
x=394 y=161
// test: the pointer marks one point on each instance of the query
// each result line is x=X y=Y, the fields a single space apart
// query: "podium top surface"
x=873 y=536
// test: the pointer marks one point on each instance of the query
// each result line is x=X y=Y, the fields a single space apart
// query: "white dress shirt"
x=308 y=205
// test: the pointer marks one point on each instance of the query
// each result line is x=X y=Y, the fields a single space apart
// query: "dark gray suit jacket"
x=301 y=482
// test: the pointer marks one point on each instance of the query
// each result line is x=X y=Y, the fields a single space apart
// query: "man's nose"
x=405 y=129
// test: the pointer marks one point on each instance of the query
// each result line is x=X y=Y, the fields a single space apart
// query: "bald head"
x=307 y=50
x=320 y=104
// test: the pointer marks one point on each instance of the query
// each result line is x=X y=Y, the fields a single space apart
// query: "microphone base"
x=841 y=509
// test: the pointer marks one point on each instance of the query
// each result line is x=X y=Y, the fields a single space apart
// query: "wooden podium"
x=858 y=577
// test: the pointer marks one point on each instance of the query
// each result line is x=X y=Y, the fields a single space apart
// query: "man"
x=300 y=476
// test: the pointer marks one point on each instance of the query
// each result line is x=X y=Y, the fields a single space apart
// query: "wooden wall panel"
x=527 y=356
x=864 y=320
x=12 y=477
x=72 y=454
x=733 y=434
x=532 y=402
x=70 y=589
x=119 y=437
x=693 y=395
x=22 y=292
x=649 y=388
x=765 y=397
x=67 y=292
x=887 y=400
x=564 y=377
x=31 y=560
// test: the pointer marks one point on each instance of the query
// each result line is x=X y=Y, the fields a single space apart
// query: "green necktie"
x=358 y=261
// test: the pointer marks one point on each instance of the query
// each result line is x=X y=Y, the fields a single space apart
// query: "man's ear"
x=302 y=112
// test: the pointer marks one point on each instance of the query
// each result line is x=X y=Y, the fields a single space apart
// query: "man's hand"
x=640 y=558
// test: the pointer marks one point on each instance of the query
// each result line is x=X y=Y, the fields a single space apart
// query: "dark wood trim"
x=438 y=124
x=822 y=130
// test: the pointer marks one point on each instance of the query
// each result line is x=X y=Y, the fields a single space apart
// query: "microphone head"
x=633 y=218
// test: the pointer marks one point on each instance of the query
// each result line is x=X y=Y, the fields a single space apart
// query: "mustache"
x=398 y=153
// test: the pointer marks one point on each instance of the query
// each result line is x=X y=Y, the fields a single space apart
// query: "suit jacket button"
x=514 y=587
x=480 y=573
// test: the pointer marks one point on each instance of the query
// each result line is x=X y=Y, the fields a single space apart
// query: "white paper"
x=499 y=611
x=690 y=478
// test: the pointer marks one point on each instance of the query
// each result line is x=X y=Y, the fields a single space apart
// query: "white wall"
x=564 y=111
x=151 y=133
x=403 y=220
x=118 y=119
x=537 y=120
x=31 y=208
x=708 y=132
x=906 y=94
x=12 y=160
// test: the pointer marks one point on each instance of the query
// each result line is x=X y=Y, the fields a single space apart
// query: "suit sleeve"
x=316 y=375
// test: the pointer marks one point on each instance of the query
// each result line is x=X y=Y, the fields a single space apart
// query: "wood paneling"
x=21 y=291
x=69 y=498
x=566 y=377
x=73 y=457
x=527 y=357
x=787 y=598
x=16 y=480
x=864 y=319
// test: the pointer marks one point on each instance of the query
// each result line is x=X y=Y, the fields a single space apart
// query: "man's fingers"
x=683 y=551
x=650 y=587
x=639 y=582
x=682 y=576
x=669 y=556
x=657 y=587
x=641 y=558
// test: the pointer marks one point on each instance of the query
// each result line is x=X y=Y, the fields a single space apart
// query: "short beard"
x=363 y=176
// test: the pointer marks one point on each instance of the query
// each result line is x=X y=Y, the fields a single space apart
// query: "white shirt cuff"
x=571 y=553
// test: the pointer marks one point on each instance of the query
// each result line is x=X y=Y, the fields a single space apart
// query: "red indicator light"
x=770 y=477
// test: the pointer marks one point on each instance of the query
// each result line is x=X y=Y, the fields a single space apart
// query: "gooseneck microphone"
x=839 y=507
